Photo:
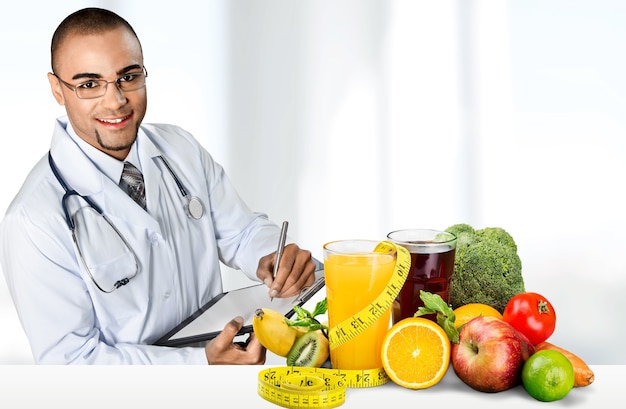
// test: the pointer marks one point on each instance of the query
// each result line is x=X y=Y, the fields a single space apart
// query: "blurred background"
x=353 y=118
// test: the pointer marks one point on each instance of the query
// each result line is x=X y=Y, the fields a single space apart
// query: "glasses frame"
x=116 y=81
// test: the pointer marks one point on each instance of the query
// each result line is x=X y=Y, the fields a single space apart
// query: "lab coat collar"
x=81 y=174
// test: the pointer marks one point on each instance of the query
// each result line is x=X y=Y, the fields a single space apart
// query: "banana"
x=271 y=329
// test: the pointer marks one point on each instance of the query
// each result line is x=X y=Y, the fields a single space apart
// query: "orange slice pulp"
x=416 y=353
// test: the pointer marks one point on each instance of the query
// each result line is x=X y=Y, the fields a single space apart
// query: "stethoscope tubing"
x=70 y=224
x=69 y=192
x=194 y=207
x=178 y=183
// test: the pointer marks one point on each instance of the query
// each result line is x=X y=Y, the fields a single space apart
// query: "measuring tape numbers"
x=359 y=322
x=304 y=387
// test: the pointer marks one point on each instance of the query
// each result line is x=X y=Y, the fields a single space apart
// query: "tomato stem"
x=542 y=307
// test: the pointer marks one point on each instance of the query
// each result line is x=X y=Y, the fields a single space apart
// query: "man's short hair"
x=90 y=20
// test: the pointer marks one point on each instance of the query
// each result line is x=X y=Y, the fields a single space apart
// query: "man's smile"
x=115 y=121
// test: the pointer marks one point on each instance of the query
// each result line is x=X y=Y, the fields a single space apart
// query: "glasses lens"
x=91 y=89
x=132 y=81
x=106 y=255
x=97 y=88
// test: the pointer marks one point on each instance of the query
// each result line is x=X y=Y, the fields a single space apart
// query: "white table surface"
x=180 y=387
x=88 y=387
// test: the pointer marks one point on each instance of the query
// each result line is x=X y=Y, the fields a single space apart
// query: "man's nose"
x=113 y=95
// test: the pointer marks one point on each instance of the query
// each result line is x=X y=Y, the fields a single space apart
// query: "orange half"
x=416 y=353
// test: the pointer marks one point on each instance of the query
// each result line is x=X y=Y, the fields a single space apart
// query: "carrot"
x=583 y=375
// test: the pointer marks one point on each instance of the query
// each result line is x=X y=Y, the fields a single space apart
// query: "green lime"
x=548 y=375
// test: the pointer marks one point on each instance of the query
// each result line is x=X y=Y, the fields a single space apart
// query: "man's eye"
x=88 y=85
x=129 y=77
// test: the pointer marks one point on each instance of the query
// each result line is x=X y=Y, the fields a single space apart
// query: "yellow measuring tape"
x=303 y=387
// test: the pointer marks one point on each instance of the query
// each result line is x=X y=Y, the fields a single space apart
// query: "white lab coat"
x=66 y=318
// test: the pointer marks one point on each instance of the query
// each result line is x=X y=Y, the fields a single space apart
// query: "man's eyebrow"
x=82 y=75
x=98 y=76
x=129 y=68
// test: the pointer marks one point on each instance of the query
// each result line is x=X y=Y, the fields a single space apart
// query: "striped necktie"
x=132 y=183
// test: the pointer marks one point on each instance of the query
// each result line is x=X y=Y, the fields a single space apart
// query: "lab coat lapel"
x=75 y=167
x=83 y=176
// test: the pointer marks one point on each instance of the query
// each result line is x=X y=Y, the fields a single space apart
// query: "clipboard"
x=206 y=323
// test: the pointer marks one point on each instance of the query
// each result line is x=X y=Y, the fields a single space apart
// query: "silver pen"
x=281 y=247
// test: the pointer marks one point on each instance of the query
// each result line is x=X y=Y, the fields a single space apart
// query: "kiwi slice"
x=311 y=349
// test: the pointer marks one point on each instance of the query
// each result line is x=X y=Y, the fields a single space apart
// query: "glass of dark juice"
x=432 y=266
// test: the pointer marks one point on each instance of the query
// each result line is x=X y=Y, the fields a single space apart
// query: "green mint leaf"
x=299 y=323
x=317 y=326
x=448 y=327
x=423 y=311
x=307 y=319
x=320 y=308
x=434 y=304
x=301 y=313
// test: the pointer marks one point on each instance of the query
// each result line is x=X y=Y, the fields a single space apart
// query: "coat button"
x=154 y=239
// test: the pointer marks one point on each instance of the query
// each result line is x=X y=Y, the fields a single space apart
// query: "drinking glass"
x=355 y=275
x=432 y=267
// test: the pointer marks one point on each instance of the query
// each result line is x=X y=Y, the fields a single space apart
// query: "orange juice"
x=355 y=276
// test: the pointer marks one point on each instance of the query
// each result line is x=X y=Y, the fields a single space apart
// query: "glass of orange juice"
x=355 y=275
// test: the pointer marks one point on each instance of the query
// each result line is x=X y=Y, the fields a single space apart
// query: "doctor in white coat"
x=101 y=289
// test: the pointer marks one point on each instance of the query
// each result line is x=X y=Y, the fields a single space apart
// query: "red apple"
x=490 y=354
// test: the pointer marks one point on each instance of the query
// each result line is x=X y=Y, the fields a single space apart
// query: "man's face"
x=110 y=122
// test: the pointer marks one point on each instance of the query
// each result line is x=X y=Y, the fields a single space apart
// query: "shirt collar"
x=108 y=165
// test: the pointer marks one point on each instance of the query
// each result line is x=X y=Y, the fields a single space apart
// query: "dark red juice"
x=429 y=272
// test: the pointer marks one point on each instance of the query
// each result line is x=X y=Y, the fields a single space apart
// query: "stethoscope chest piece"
x=195 y=209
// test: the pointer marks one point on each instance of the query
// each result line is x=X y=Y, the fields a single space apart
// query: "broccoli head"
x=464 y=235
x=496 y=234
x=487 y=268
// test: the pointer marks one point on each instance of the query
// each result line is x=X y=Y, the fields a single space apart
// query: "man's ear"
x=55 y=86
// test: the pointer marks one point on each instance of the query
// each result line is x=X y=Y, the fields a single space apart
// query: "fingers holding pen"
x=291 y=268
x=295 y=271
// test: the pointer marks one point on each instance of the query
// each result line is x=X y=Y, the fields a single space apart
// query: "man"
x=93 y=289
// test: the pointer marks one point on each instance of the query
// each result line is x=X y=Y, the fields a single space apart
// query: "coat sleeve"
x=242 y=236
x=54 y=306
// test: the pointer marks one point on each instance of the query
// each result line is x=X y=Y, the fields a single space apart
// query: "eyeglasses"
x=131 y=81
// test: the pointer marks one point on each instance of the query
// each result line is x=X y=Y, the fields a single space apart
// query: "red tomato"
x=532 y=315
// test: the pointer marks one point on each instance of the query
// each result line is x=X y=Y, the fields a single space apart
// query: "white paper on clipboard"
x=210 y=320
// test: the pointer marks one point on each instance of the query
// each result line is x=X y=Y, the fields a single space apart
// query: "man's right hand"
x=222 y=350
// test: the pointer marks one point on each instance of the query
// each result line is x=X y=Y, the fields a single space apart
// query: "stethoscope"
x=193 y=208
